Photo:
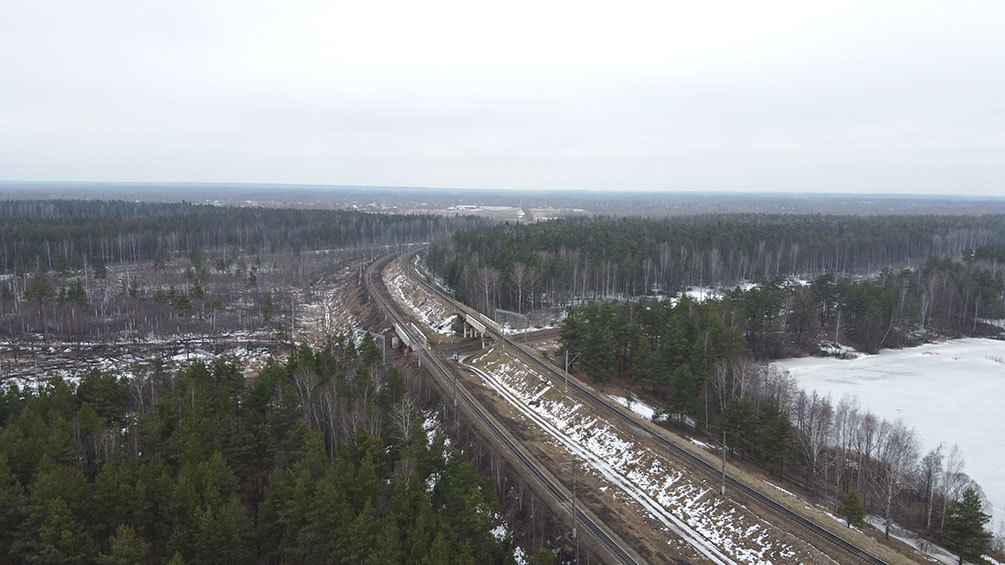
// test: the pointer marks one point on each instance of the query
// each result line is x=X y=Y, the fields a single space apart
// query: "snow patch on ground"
x=834 y=349
x=431 y=425
x=500 y=531
x=422 y=304
x=193 y=356
x=640 y=408
x=446 y=326
x=420 y=266
x=131 y=359
x=323 y=312
x=950 y=392
x=776 y=487
x=922 y=545
x=997 y=323
x=702 y=444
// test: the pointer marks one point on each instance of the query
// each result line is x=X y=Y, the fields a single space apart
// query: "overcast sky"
x=876 y=96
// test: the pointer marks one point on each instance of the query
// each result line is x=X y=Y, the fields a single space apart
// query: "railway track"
x=610 y=409
x=604 y=538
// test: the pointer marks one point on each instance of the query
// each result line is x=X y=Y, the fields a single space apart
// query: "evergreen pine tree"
x=439 y=551
x=964 y=531
x=12 y=501
x=541 y=556
x=777 y=433
x=127 y=548
x=61 y=538
x=851 y=509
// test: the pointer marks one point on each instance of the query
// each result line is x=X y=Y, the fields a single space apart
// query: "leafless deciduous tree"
x=847 y=420
x=812 y=416
x=929 y=476
x=896 y=457
x=518 y=276
x=953 y=482
x=488 y=282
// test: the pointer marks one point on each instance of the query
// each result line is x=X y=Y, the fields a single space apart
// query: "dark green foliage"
x=126 y=548
x=851 y=509
x=369 y=350
x=989 y=253
x=76 y=293
x=541 y=556
x=775 y=437
x=738 y=421
x=105 y=393
x=38 y=288
x=225 y=469
x=61 y=538
x=100 y=270
x=668 y=349
x=964 y=531
x=685 y=356
x=12 y=506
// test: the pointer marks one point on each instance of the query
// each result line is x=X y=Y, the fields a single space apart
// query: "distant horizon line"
x=735 y=191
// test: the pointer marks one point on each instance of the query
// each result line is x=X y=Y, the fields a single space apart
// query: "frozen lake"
x=952 y=392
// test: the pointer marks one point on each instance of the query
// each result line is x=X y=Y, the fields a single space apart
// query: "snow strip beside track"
x=614 y=477
x=716 y=530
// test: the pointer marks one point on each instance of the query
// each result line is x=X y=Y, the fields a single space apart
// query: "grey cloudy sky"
x=877 y=96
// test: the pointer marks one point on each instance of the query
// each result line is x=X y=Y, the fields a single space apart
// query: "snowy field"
x=949 y=392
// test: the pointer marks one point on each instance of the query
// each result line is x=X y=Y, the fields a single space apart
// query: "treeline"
x=102 y=208
x=895 y=308
x=696 y=364
x=321 y=459
x=523 y=266
x=672 y=347
x=67 y=235
x=777 y=318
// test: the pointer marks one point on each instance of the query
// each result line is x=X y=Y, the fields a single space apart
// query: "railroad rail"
x=605 y=539
x=632 y=423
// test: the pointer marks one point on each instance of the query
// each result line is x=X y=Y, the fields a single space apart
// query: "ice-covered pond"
x=951 y=392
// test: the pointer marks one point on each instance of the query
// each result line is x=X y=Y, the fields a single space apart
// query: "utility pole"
x=293 y=315
x=575 y=521
x=567 y=368
x=723 y=462
x=575 y=535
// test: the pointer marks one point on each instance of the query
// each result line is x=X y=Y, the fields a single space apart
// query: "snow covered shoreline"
x=950 y=392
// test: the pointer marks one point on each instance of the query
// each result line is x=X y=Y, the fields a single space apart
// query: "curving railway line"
x=632 y=423
x=617 y=550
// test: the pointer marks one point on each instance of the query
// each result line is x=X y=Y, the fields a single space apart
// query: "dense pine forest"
x=319 y=459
